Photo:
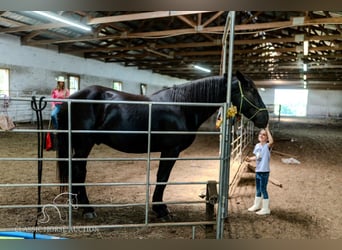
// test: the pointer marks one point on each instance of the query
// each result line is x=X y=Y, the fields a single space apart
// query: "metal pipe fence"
x=237 y=147
x=240 y=138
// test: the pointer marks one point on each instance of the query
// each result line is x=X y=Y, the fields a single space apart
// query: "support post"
x=211 y=199
x=222 y=212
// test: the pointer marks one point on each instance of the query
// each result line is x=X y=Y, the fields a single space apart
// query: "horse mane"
x=201 y=90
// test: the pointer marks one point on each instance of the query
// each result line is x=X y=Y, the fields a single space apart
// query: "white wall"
x=325 y=103
x=41 y=66
x=33 y=71
x=321 y=103
x=267 y=96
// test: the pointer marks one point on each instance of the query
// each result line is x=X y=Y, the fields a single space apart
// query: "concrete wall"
x=33 y=72
x=325 y=103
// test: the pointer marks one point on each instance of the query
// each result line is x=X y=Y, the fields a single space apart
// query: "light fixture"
x=305 y=67
x=61 y=19
x=305 y=85
x=304 y=77
x=201 y=68
x=306 y=47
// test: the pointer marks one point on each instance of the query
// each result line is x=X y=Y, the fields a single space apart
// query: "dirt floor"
x=307 y=206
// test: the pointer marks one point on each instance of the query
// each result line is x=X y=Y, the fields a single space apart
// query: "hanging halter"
x=246 y=99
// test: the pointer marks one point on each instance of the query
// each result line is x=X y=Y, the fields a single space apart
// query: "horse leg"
x=163 y=174
x=79 y=173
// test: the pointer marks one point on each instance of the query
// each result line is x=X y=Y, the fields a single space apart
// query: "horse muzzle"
x=261 y=118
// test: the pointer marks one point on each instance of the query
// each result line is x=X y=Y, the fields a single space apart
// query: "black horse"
x=134 y=117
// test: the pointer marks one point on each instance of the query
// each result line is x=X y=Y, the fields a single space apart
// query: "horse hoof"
x=89 y=215
x=166 y=218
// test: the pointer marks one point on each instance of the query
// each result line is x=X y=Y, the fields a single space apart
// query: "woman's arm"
x=53 y=96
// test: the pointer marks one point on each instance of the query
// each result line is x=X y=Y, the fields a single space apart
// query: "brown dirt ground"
x=308 y=206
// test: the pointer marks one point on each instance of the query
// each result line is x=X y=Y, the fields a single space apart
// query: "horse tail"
x=62 y=148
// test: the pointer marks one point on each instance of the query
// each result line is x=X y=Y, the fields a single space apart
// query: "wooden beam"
x=216 y=43
x=140 y=16
x=12 y=22
x=187 y=21
x=175 y=32
x=100 y=20
x=34 y=27
x=214 y=17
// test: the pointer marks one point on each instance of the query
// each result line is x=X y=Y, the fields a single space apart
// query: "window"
x=143 y=88
x=117 y=85
x=74 y=83
x=293 y=101
x=4 y=82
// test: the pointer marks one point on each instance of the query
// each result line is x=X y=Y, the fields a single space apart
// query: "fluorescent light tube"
x=63 y=20
x=201 y=68
x=306 y=47
x=305 y=67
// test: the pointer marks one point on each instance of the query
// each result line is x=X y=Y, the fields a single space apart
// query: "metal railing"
x=240 y=138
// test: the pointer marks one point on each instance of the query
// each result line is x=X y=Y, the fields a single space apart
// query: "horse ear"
x=240 y=76
x=245 y=80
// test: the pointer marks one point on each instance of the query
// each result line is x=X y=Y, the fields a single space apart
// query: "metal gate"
x=241 y=137
x=236 y=147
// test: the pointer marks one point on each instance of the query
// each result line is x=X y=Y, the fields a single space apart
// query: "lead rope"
x=40 y=135
x=246 y=99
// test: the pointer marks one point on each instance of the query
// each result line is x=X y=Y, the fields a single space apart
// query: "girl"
x=262 y=157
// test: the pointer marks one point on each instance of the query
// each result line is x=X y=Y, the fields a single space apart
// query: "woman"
x=60 y=92
x=262 y=157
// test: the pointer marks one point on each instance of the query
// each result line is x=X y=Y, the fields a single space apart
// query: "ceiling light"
x=306 y=47
x=304 y=77
x=201 y=68
x=305 y=67
x=61 y=19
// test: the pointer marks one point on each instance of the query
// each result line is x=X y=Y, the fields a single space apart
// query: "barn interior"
x=293 y=57
x=270 y=46
x=145 y=51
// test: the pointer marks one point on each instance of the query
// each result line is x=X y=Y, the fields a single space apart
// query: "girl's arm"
x=250 y=158
x=269 y=136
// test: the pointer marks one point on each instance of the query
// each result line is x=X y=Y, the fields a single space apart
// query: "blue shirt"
x=263 y=156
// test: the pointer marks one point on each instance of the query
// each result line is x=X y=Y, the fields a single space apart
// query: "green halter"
x=246 y=99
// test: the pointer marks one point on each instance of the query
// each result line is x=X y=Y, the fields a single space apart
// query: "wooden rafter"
x=175 y=32
x=267 y=45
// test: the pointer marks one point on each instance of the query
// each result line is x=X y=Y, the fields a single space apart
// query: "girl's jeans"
x=54 y=113
x=261 y=180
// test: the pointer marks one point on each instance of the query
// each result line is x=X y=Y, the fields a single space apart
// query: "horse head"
x=248 y=101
